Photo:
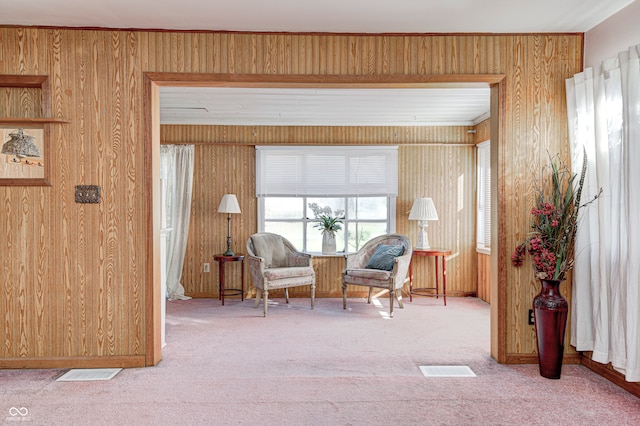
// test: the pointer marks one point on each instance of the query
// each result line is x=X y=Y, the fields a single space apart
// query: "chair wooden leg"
x=258 y=294
x=370 y=292
x=391 y=297
x=265 y=296
x=344 y=296
x=286 y=295
x=399 y=296
x=313 y=296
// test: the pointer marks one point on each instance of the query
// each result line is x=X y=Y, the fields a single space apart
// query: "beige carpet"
x=230 y=366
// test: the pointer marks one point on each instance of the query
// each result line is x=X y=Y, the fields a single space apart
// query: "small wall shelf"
x=16 y=171
x=4 y=120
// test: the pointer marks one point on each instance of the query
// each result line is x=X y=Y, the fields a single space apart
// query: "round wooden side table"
x=222 y=259
x=436 y=253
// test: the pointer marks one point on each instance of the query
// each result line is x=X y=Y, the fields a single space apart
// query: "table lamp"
x=229 y=204
x=423 y=210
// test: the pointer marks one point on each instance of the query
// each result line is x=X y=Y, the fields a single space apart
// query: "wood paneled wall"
x=484 y=277
x=483 y=131
x=219 y=170
x=21 y=102
x=438 y=162
x=74 y=276
x=315 y=135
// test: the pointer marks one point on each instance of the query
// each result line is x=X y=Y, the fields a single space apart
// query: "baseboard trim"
x=203 y=295
x=75 y=362
x=279 y=293
x=321 y=295
x=533 y=359
x=612 y=375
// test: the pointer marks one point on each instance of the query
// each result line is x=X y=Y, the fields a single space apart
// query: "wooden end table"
x=436 y=253
x=222 y=259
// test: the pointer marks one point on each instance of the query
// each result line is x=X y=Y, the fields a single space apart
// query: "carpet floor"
x=227 y=365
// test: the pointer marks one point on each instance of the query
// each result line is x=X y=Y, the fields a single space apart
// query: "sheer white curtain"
x=176 y=167
x=604 y=120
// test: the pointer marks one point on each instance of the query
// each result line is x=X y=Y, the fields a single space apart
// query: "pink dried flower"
x=549 y=244
x=517 y=258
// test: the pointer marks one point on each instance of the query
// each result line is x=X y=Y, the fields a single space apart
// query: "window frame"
x=305 y=221
x=483 y=197
x=327 y=171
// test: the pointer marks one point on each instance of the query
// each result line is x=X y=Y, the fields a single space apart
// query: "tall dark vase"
x=550 y=315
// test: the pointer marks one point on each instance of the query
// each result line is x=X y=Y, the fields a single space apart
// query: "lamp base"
x=423 y=238
x=228 y=252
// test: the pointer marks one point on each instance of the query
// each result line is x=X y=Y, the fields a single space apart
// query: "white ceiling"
x=445 y=106
x=352 y=16
x=238 y=106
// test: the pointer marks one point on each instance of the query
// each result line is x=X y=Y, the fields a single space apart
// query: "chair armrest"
x=256 y=267
x=401 y=268
x=253 y=258
x=300 y=259
x=354 y=260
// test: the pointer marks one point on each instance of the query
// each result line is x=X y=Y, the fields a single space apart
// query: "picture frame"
x=18 y=168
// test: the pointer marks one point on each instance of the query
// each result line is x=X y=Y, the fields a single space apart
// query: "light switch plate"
x=87 y=194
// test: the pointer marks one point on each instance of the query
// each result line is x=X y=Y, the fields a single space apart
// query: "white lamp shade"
x=423 y=209
x=229 y=204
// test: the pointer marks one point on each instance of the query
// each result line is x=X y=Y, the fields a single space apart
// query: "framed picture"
x=23 y=154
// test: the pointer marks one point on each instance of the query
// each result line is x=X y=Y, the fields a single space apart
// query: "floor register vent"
x=88 y=374
x=447 y=371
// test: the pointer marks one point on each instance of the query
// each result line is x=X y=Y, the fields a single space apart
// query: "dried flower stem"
x=554 y=223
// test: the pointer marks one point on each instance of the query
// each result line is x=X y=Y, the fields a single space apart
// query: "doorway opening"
x=153 y=82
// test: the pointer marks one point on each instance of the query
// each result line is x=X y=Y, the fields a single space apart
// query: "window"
x=292 y=217
x=360 y=183
x=483 y=237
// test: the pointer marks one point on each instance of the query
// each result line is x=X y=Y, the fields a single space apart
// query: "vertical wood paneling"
x=133 y=282
x=328 y=278
x=218 y=170
x=64 y=230
x=447 y=175
x=41 y=219
x=76 y=286
x=20 y=102
x=483 y=131
x=484 y=277
x=311 y=135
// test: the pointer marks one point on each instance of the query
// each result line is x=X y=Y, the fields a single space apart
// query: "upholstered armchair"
x=275 y=263
x=383 y=262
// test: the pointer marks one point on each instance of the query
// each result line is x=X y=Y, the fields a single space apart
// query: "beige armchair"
x=383 y=262
x=275 y=263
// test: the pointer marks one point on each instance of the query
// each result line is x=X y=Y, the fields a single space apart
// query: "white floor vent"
x=447 y=371
x=88 y=374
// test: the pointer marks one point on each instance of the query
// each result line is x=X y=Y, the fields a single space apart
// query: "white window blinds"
x=484 y=197
x=324 y=171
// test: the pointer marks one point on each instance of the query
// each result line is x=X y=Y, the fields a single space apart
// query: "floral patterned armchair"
x=275 y=263
x=383 y=262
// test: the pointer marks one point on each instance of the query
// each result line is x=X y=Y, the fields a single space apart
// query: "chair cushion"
x=271 y=248
x=291 y=272
x=383 y=257
x=369 y=274
x=289 y=282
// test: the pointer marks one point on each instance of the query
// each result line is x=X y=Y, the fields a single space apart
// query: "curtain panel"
x=176 y=168
x=604 y=122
